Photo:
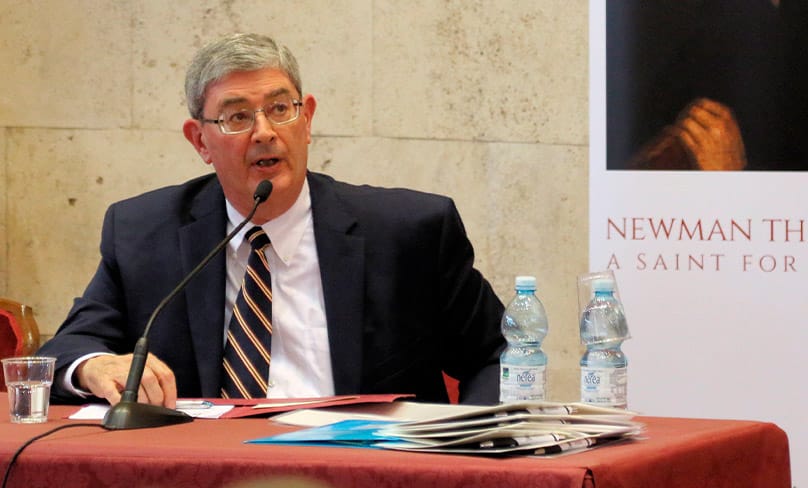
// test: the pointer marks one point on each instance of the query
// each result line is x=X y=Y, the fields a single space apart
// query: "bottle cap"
x=525 y=283
x=602 y=284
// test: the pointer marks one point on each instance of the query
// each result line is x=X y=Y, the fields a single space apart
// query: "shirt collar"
x=285 y=231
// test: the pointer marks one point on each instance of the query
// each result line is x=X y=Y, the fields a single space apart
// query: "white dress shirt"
x=301 y=358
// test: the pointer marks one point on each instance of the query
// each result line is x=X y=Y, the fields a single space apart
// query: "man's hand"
x=711 y=136
x=105 y=377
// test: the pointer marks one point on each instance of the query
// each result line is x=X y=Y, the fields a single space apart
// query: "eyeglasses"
x=240 y=119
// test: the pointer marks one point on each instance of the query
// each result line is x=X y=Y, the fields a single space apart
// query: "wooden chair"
x=19 y=334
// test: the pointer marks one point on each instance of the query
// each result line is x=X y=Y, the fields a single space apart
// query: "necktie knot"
x=257 y=238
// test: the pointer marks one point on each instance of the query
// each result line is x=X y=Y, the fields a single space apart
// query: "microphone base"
x=133 y=415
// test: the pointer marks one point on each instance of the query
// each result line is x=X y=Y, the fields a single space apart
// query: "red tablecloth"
x=211 y=453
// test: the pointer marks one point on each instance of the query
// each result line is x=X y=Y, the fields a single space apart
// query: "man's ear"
x=307 y=111
x=192 y=129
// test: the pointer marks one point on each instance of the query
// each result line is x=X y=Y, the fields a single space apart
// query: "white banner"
x=712 y=266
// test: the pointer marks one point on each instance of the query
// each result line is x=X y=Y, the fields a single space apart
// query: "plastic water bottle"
x=523 y=364
x=604 y=367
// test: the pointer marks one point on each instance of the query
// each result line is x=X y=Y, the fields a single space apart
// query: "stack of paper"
x=535 y=428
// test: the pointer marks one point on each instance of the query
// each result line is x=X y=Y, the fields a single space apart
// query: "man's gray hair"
x=236 y=52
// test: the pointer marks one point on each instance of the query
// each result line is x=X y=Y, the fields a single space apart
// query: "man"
x=372 y=290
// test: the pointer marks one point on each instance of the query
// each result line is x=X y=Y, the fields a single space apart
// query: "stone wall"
x=484 y=101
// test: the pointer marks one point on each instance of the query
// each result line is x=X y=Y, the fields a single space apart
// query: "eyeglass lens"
x=240 y=118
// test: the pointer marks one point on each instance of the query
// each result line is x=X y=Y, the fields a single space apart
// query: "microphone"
x=128 y=413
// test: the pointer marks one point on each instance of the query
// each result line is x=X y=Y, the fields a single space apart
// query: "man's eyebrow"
x=239 y=100
x=232 y=101
x=278 y=91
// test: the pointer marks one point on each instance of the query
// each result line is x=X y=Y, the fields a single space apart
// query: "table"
x=210 y=453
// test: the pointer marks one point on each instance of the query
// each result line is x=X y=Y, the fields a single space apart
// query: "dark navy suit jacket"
x=403 y=301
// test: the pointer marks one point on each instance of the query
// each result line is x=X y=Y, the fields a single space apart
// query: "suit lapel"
x=342 y=269
x=205 y=293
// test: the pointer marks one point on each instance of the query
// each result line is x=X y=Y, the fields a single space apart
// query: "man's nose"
x=263 y=130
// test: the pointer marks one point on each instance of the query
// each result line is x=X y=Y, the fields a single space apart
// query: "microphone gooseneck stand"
x=128 y=413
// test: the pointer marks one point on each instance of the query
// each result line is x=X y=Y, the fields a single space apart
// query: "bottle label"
x=521 y=382
x=606 y=387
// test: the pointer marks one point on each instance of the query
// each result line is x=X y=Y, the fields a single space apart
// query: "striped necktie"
x=249 y=337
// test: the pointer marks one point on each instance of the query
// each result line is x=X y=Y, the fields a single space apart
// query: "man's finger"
x=110 y=391
x=151 y=386
x=159 y=382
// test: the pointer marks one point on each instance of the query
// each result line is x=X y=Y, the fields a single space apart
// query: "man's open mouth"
x=265 y=163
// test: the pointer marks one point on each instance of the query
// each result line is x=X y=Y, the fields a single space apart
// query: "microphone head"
x=262 y=191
